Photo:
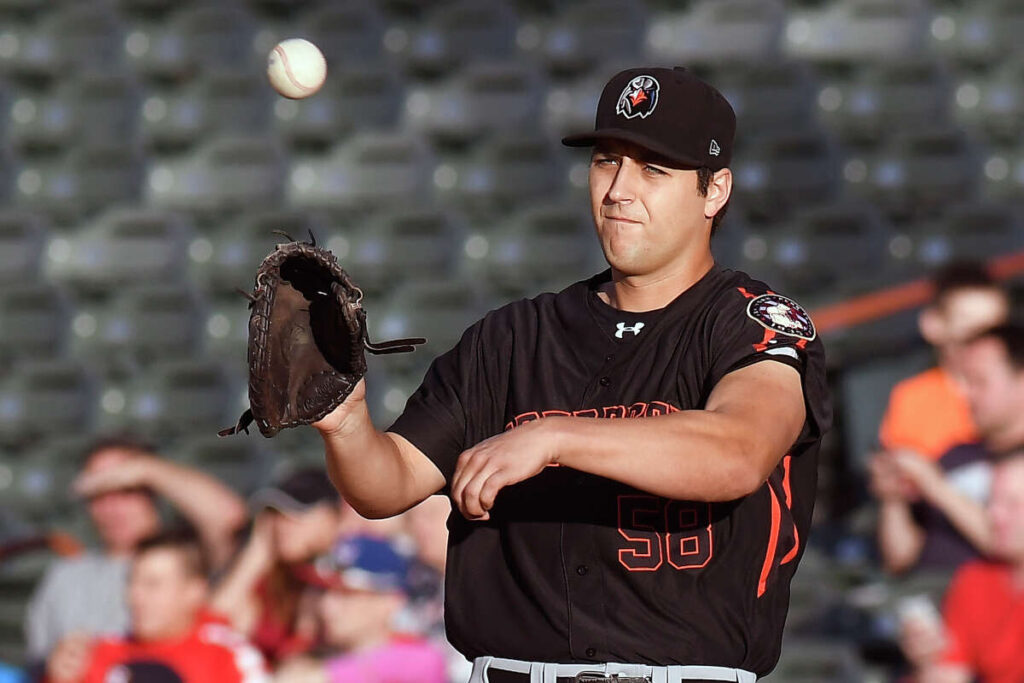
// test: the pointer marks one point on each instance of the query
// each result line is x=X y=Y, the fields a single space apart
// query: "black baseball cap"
x=297 y=493
x=668 y=111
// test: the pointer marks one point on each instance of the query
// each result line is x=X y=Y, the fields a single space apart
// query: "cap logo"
x=714 y=150
x=638 y=98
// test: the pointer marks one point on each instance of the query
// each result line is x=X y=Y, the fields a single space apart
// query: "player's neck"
x=649 y=292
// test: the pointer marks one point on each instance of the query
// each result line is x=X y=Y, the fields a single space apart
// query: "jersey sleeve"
x=753 y=327
x=460 y=401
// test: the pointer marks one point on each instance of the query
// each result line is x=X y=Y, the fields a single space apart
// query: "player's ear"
x=719 y=190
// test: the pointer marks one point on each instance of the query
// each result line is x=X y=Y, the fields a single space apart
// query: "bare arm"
x=212 y=508
x=379 y=474
x=966 y=515
x=900 y=539
x=723 y=452
x=235 y=594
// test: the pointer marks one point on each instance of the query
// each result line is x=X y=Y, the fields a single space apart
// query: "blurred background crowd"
x=144 y=162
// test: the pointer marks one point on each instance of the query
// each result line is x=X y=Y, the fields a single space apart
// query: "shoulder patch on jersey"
x=782 y=314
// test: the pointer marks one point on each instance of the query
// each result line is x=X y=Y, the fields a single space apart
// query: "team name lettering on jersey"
x=638 y=409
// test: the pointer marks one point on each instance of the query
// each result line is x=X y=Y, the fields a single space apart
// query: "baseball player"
x=633 y=478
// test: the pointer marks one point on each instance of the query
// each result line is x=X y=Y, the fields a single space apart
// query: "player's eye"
x=653 y=170
x=604 y=161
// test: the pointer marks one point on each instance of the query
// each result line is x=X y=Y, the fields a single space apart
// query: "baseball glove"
x=307 y=334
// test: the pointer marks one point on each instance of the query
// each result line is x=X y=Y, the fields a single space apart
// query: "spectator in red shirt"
x=173 y=638
x=983 y=634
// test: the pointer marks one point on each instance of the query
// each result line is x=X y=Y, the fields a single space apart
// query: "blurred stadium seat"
x=716 y=31
x=502 y=172
x=349 y=32
x=72 y=36
x=460 y=33
x=584 y=34
x=369 y=171
x=404 y=244
x=227 y=101
x=121 y=246
x=971 y=231
x=45 y=397
x=23 y=237
x=138 y=325
x=1003 y=177
x=884 y=99
x=84 y=180
x=917 y=172
x=228 y=173
x=978 y=33
x=173 y=398
x=34 y=319
x=550 y=243
x=777 y=173
x=768 y=97
x=241 y=463
x=95 y=105
x=485 y=98
x=857 y=31
x=991 y=102
x=354 y=98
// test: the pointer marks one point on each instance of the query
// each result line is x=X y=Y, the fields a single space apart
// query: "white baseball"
x=296 y=68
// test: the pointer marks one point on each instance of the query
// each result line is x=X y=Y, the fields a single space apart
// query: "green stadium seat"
x=503 y=172
x=978 y=34
x=72 y=36
x=139 y=325
x=348 y=32
x=224 y=175
x=34 y=320
x=86 y=179
x=483 y=99
x=41 y=397
x=460 y=33
x=241 y=462
x=857 y=31
x=23 y=236
x=353 y=98
x=717 y=31
x=884 y=99
x=584 y=34
x=768 y=97
x=991 y=103
x=403 y=244
x=369 y=171
x=94 y=106
x=121 y=246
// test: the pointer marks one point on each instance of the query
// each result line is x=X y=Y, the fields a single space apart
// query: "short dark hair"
x=122 y=441
x=960 y=275
x=183 y=540
x=704 y=177
x=1011 y=337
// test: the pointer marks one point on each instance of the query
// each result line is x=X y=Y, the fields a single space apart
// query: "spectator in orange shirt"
x=928 y=413
x=983 y=633
x=173 y=638
x=941 y=524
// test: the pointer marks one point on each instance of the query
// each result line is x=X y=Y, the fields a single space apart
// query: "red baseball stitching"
x=288 y=70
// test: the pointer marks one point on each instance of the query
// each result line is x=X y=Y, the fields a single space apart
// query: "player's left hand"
x=502 y=460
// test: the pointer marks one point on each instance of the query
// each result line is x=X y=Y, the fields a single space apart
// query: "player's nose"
x=623 y=187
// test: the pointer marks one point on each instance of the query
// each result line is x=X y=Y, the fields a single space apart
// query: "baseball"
x=296 y=68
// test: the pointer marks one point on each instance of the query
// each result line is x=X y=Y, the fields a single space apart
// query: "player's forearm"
x=690 y=455
x=899 y=538
x=369 y=469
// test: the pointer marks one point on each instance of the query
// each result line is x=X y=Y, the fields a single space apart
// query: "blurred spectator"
x=365 y=578
x=9 y=674
x=121 y=480
x=296 y=521
x=983 y=633
x=932 y=514
x=172 y=637
x=928 y=413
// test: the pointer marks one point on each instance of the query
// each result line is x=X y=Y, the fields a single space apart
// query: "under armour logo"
x=621 y=328
x=714 y=150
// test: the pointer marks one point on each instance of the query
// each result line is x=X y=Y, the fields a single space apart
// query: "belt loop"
x=548 y=673
x=662 y=674
x=745 y=676
x=479 y=674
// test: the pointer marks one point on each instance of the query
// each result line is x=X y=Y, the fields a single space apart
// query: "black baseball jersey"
x=572 y=567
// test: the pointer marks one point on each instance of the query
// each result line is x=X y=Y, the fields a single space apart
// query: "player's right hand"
x=338 y=420
x=70 y=658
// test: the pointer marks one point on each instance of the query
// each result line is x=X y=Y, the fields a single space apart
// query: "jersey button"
x=604 y=381
x=609 y=358
x=582 y=570
x=591 y=652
